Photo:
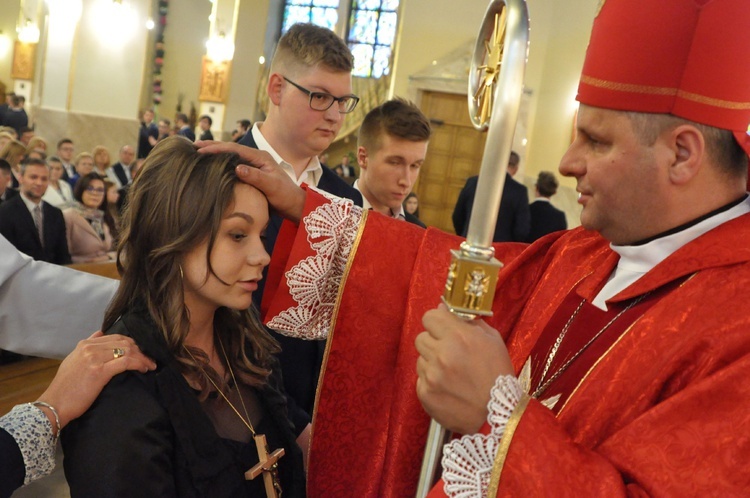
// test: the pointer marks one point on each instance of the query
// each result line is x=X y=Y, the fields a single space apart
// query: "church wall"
x=9 y=9
x=184 y=45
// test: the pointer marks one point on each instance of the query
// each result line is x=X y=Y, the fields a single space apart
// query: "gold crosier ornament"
x=494 y=96
x=267 y=463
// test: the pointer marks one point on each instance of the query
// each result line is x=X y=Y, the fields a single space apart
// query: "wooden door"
x=454 y=154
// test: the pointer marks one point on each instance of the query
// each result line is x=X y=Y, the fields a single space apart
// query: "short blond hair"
x=306 y=46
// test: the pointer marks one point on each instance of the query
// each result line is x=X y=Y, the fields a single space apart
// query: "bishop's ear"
x=689 y=148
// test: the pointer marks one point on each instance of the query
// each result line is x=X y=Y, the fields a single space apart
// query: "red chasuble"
x=661 y=407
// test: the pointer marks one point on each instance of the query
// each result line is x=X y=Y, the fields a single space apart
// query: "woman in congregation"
x=191 y=254
x=111 y=209
x=84 y=164
x=58 y=192
x=37 y=144
x=88 y=231
x=411 y=204
x=102 y=160
x=14 y=152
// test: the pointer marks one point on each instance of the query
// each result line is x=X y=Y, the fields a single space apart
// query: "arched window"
x=370 y=27
x=319 y=12
x=372 y=32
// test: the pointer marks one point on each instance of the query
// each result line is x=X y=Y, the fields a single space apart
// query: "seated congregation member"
x=58 y=193
x=102 y=160
x=88 y=231
x=191 y=256
x=6 y=192
x=33 y=226
x=37 y=144
x=29 y=432
x=14 y=152
x=84 y=164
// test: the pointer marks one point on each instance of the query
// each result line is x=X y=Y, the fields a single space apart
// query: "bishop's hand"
x=261 y=171
x=458 y=364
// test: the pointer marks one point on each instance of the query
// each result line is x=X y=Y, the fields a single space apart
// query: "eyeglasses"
x=95 y=190
x=322 y=101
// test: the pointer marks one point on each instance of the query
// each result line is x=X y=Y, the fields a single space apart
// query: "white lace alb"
x=468 y=461
x=314 y=282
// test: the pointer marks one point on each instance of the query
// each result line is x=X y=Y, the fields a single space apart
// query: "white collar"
x=312 y=173
x=636 y=261
x=400 y=215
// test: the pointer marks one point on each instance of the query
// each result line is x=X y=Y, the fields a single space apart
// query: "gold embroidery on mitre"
x=659 y=90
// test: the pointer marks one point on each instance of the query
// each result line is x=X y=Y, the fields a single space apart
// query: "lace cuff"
x=314 y=282
x=31 y=429
x=468 y=461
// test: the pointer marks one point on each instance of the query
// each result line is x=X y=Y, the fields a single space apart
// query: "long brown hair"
x=176 y=203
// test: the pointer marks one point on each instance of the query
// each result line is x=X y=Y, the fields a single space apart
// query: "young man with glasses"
x=310 y=93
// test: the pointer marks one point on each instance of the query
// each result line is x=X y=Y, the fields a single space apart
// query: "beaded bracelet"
x=54 y=412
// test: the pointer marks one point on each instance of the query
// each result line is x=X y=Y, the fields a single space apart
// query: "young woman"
x=191 y=255
x=411 y=204
x=87 y=227
x=58 y=193
x=102 y=160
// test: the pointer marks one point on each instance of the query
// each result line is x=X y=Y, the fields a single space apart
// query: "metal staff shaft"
x=470 y=286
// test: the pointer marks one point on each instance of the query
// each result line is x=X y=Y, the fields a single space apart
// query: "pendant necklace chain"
x=544 y=384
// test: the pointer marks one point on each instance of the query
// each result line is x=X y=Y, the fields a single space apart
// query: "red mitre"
x=689 y=58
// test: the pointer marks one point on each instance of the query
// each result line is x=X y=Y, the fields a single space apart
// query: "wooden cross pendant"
x=268 y=466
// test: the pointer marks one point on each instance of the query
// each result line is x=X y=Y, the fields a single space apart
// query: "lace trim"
x=31 y=429
x=468 y=461
x=314 y=282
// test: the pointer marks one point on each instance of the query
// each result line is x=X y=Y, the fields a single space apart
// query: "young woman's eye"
x=237 y=237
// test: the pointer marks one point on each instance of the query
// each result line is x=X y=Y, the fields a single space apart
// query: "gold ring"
x=117 y=352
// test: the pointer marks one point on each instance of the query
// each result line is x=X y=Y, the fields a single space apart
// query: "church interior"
x=89 y=68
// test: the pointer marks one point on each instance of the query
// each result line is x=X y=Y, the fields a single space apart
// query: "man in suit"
x=148 y=134
x=513 y=219
x=310 y=93
x=243 y=126
x=391 y=148
x=183 y=126
x=66 y=151
x=545 y=218
x=119 y=173
x=16 y=116
x=6 y=193
x=205 y=122
x=347 y=170
x=25 y=217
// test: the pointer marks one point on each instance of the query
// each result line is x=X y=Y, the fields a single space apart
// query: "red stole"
x=588 y=322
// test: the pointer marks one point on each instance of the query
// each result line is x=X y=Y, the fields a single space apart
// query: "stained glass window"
x=320 y=12
x=372 y=31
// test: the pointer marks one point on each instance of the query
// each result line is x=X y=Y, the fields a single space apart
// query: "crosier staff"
x=495 y=91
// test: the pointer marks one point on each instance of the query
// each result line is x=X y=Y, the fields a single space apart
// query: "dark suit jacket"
x=144 y=146
x=188 y=133
x=16 y=119
x=413 y=219
x=12 y=469
x=513 y=219
x=9 y=194
x=17 y=225
x=545 y=218
x=300 y=360
x=119 y=171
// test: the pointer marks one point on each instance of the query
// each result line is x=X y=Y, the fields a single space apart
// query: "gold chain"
x=543 y=385
x=245 y=421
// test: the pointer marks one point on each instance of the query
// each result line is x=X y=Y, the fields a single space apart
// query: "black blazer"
x=513 y=219
x=413 y=219
x=147 y=435
x=12 y=469
x=188 y=133
x=119 y=171
x=301 y=360
x=17 y=225
x=545 y=218
x=9 y=194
